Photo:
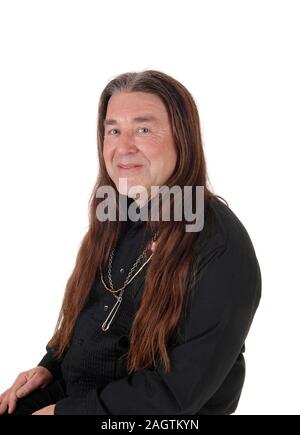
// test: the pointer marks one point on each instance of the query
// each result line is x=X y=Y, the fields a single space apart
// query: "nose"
x=126 y=144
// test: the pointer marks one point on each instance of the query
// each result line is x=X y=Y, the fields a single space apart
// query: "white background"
x=240 y=60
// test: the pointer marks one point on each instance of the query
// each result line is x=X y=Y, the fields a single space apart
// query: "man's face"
x=138 y=142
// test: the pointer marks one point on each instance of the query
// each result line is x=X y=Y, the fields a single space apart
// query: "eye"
x=145 y=129
x=113 y=131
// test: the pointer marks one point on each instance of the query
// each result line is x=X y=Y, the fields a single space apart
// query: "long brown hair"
x=168 y=272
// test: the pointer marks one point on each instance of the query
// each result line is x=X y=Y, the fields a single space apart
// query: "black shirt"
x=207 y=364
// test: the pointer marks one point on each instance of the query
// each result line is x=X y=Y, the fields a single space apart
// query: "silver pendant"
x=106 y=324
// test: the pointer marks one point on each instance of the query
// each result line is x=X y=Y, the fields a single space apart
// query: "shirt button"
x=105 y=307
x=122 y=270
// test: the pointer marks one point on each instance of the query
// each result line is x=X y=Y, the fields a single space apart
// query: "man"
x=154 y=317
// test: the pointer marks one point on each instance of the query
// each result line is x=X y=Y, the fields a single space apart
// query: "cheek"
x=162 y=153
x=107 y=155
x=172 y=158
x=151 y=148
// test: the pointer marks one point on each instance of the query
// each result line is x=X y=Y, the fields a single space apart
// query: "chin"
x=132 y=187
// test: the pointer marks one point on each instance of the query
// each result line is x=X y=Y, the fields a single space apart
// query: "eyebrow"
x=144 y=118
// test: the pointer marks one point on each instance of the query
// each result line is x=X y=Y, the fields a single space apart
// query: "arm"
x=221 y=310
x=51 y=363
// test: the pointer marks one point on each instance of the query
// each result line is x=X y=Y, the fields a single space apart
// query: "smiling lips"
x=128 y=166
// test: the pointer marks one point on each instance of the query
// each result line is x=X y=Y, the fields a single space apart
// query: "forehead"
x=132 y=104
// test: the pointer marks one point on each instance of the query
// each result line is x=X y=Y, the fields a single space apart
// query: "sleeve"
x=223 y=302
x=51 y=363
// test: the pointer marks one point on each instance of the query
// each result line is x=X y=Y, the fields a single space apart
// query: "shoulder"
x=224 y=246
x=222 y=230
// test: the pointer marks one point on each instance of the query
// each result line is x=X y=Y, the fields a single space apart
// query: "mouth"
x=129 y=167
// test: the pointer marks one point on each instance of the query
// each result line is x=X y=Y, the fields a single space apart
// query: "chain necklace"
x=106 y=324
